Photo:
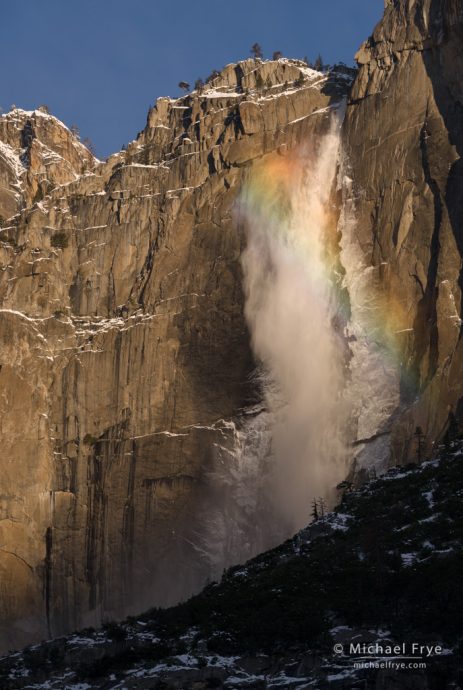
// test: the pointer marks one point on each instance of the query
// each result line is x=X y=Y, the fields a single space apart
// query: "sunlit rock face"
x=125 y=356
x=135 y=431
x=402 y=181
x=37 y=153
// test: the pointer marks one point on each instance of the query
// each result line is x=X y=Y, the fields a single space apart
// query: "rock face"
x=125 y=359
x=37 y=153
x=124 y=354
x=403 y=140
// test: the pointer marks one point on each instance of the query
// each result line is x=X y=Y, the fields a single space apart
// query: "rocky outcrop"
x=402 y=192
x=125 y=359
x=37 y=153
x=124 y=353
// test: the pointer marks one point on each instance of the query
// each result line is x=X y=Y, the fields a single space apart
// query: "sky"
x=100 y=64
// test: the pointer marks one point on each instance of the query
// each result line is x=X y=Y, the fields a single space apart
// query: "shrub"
x=59 y=240
x=32 y=660
x=90 y=440
x=115 y=631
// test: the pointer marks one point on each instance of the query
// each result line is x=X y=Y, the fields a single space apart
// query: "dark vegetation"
x=59 y=240
x=390 y=557
x=256 y=51
x=287 y=597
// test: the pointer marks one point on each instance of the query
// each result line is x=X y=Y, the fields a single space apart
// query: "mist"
x=267 y=465
x=291 y=309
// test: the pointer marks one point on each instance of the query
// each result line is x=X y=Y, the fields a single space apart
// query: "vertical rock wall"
x=403 y=187
x=125 y=358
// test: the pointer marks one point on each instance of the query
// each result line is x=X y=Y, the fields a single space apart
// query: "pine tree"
x=453 y=427
x=318 y=64
x=184 y=85
x=213 y=75
x=199 y=85
x=88 y=143
x=256 y=50
x=277 y=55
x=419 y=435
x=314 y=513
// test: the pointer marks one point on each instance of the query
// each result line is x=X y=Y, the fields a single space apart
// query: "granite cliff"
x=403 y=139
x=126 y=365
x=125 y=357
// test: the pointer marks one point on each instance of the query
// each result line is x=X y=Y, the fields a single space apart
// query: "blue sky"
x=101 y=63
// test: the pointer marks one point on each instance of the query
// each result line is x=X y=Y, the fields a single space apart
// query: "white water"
x=290 y=305
x=265 y=470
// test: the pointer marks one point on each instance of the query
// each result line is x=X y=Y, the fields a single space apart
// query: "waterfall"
x=326 y=365
x=292 y=312
x=268 y=465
